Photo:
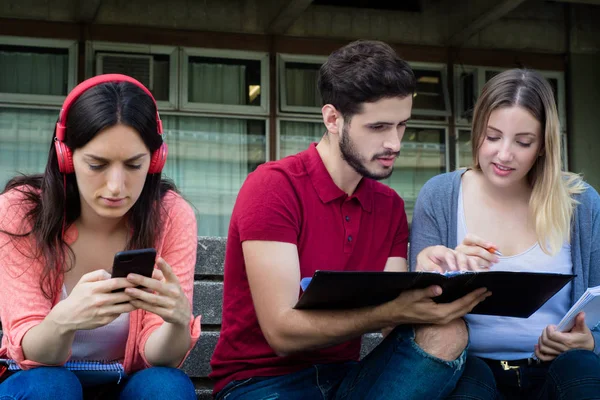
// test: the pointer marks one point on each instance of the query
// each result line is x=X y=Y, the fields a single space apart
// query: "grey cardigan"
x=434 y=223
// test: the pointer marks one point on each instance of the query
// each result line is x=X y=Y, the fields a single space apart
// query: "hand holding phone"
x=139 y=262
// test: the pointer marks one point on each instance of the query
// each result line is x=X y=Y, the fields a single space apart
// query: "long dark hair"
x=99 y=107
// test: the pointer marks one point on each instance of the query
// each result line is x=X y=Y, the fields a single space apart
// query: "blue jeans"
x=572 y=375
x=54 y=383
x=396 y=369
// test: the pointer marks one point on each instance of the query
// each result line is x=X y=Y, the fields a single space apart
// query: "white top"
x=103 y=343
x=509 y=338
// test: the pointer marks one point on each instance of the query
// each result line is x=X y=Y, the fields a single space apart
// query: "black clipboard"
x=514 y=294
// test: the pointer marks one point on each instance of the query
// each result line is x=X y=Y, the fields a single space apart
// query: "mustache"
x=386 y=154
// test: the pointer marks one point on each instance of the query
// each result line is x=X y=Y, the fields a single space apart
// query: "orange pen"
x=495 y=251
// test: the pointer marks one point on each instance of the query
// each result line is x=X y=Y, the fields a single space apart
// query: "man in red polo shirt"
x=324 y=209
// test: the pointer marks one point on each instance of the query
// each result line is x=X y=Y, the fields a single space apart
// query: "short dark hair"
x=364 y=71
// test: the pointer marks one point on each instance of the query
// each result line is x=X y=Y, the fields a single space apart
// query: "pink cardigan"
x=23 y=305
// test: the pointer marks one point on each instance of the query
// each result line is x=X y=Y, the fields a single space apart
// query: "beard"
x=351 y=155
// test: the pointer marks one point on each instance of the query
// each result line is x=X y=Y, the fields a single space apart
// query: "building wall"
x=533 y=26
x=583 y=84
x=584 y=142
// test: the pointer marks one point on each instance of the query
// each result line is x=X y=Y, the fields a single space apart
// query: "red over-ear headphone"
x=65 y=155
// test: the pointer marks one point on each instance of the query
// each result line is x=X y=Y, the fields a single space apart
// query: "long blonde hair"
x=551 y=202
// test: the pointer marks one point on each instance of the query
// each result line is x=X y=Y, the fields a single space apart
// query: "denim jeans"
x=54 y=383
x=396 y=369
x=572 y=375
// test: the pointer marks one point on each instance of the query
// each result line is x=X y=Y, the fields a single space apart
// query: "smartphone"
x=139 y=262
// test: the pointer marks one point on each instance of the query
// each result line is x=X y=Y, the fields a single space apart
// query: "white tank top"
x=103 y=343
x=507 y=338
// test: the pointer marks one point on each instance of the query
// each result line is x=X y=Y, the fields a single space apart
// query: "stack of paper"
x=589 y=303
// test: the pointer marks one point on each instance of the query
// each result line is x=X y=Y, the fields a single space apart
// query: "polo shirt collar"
x=324 y=185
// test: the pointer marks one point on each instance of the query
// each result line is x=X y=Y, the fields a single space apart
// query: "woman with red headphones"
x=101 y=193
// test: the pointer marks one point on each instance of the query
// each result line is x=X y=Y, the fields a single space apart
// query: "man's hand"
x=418 y=307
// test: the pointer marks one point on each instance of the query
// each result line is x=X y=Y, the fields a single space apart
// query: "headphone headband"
x=65 y=155
x=89 y=83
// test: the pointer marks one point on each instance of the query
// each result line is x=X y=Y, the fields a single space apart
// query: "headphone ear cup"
x=64 y=157
x=158 y=160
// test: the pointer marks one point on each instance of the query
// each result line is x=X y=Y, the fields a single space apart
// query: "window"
x=423 y=155
x=298 y=89
x=464 y=151
x=198 y=91
x=25 y=137
x=466 y=90
x=296 y=135
x=38 y=71
x=209 y=159
x=431 y=99
x=155 y=66
x=35 y=77
x=224 y=81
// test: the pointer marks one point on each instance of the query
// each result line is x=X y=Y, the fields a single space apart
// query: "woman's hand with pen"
x=441 y=259
x=473 y=254
x=481 y=254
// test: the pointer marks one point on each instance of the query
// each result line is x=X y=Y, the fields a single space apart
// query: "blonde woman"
x=516 y=198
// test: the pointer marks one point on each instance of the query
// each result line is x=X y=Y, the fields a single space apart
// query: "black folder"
x=514 y=294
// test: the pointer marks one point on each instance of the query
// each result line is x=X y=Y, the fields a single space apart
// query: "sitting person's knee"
x=153 y=382
x=576 y=358
x=42 y=383
x=443 y=341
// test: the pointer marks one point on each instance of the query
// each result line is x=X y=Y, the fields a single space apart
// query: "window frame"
x=458 y=93
x=443 y=69
x=91 y=47
x=428 y=125
x=224 y=116
x=262 y=57
x=39 y=99
x=281 y=119
x=456 y=149
x=282 y=59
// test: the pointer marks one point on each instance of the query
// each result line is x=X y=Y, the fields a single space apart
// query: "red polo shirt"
x=294 y=200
